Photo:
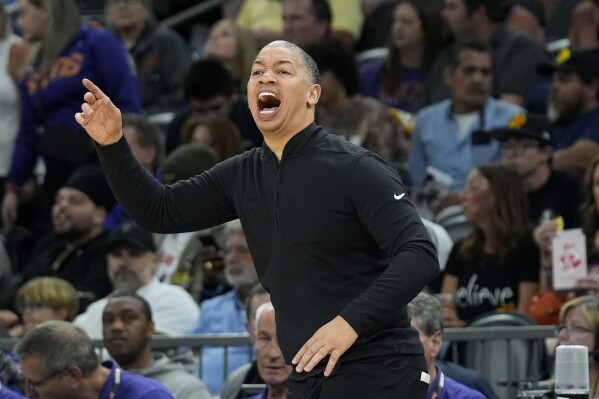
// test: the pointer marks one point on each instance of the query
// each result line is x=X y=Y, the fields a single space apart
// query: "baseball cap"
x=133 y=236
x=531 y=126
x=585 y=62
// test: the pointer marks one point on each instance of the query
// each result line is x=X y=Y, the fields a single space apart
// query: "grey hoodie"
x=175 y=377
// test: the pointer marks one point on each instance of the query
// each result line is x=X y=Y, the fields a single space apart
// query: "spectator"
x=13 y=57
x=209 y=90
x=495 y=268
x=248 y=373
x=75 y=249
x=40 y=300
x=515 y=53
x=217 y=132
x=262 y=18
x=178 y=251
x=145 y=140
x=584 y=26
x=416 y=35
x=574 y=98
x=527 y=146
x=59 y=360
x=225 y=313
x=161 y=56
x=266 y=20
x=234 y=47
x=306 y=21
x=544 y=233
x=362 y=120
x=427 y=319
x=67 y=53
x=270 y=361
x=132 y=262
x=127 y=330
x=451 y=136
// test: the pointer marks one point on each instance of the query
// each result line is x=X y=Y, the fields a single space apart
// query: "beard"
x=245 y=278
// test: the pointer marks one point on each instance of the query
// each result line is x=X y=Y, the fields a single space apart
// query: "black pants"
x=379 y=380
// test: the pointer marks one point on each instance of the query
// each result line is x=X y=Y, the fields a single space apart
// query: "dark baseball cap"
x=531 y=126
x=130 y=235
x=585 y=62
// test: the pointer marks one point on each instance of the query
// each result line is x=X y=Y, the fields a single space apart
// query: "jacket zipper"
x=278 y=179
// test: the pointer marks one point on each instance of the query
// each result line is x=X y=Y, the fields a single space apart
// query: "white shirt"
x=9 y=106
x=173 y=310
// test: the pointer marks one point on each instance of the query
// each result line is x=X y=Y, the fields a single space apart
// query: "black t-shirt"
x=561 y=196
x=485 y=284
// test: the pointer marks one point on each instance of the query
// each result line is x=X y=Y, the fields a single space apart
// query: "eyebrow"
x=280 y=62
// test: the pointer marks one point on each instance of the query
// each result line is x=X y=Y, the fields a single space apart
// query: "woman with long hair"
x=495 y=268
x=415 y=38
x=233 y=46
x=66 y=53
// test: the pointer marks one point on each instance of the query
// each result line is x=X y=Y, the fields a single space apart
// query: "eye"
x=255 y=73
x=284 y=72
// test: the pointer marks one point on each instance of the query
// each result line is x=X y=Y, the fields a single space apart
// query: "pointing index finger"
x=95 y=90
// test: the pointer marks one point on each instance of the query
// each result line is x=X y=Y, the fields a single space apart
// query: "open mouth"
x=268 y=102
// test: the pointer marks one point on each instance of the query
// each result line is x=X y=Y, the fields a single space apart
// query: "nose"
x=267 y=76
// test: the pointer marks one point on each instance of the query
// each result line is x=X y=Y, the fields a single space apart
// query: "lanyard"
x=116 y=383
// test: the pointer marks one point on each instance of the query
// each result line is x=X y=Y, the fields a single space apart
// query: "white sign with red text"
x=569 y=258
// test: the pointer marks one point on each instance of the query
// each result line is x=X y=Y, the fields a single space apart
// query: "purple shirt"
x=407 y=93
x=131 y=385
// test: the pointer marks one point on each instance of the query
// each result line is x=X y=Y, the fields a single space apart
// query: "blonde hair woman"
x=39 y=300
x=233 y=46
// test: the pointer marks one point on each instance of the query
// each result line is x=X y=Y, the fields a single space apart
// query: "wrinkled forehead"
x=278 y=54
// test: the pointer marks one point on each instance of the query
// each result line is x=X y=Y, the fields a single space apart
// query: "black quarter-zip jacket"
x=329 y=226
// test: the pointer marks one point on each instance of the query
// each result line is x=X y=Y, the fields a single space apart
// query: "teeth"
x=262 y=95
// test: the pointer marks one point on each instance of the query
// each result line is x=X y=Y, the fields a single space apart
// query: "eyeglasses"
x=32 y=305
x=35 y=386
x=518 y=147
x=576 y=329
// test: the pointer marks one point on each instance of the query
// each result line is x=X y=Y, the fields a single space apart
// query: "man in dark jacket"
x=334 y=239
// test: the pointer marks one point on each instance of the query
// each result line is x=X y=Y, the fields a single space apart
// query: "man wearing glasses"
x=58 y=360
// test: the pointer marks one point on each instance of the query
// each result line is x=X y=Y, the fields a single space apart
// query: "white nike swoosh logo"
x=398 y=197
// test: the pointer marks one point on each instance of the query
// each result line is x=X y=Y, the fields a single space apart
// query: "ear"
x=151 y=330
x=314 y=94
x=447 y=76
x=100 y=215
x=547 y=151
x=74 y=377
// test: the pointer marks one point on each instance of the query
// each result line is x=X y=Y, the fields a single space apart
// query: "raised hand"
x=334 y=338
x=100 y=118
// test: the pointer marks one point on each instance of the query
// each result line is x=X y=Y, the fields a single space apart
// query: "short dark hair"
x=334 y=56
x=145 y=306
x=457 y=48
x=309 y=64
x=208 y=78
x=496 y=9
x=322 y=10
